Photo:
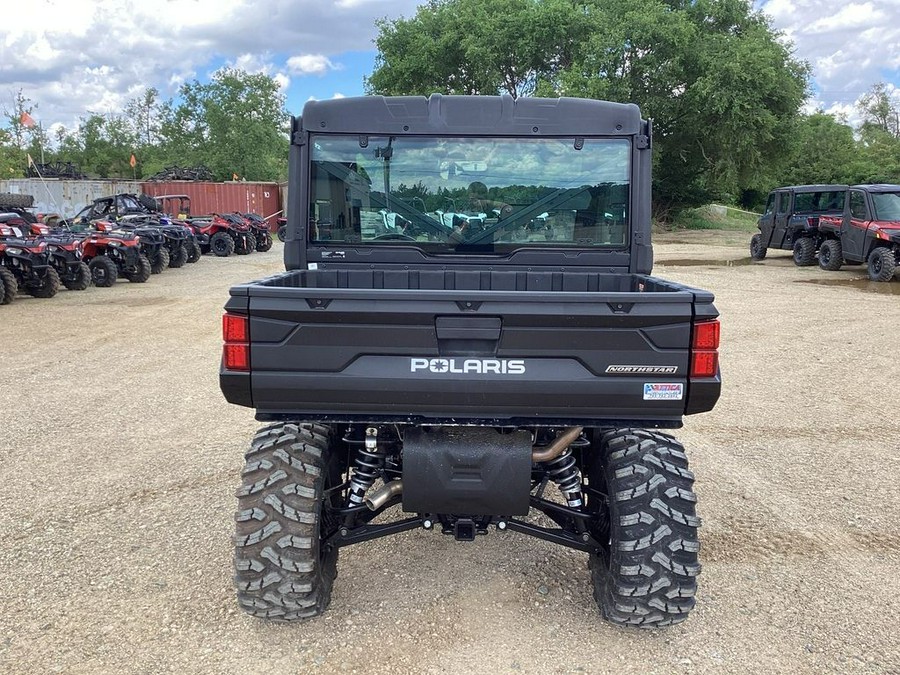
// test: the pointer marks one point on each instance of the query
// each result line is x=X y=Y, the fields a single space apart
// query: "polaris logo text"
x=469 y=366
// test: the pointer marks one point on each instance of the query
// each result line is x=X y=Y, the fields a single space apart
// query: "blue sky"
x=323 y=48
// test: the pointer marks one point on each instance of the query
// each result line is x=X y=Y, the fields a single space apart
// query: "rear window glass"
x=819 y=202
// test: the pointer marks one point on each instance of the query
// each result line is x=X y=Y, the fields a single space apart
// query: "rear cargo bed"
x=460 y=346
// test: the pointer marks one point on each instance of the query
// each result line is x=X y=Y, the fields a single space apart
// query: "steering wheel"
x=397 y=236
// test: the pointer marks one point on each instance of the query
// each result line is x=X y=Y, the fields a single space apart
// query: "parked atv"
x=175 y=238
x=28 y=262
x=226 y=235
x=260 y=229
x=245 y=244
x=176 y=210
x=111 y=252
x=152 y=242
x=66 y=252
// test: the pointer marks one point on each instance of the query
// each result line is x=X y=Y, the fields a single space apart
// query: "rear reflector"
x=235 y=328
x=704 y=364
x=236 y=357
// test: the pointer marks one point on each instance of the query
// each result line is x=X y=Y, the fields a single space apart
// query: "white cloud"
x=71 y=56
x=338 y=94
x=310 y=64
x=850 y=46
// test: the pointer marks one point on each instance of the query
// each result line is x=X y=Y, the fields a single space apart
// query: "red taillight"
x=236 y=333
x=705 y=343
x=706 y=335
x=235 y=328
x=236 y=357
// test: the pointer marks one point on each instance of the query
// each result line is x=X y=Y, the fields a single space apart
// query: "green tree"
x=473 y=47
x=721 y=87
x=823 y=150
x=235 y=124
x=879 y=112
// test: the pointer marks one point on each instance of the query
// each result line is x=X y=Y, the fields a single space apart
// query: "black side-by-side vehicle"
x=467 y=329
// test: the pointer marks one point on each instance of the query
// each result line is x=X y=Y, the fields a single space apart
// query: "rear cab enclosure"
x=466 y=321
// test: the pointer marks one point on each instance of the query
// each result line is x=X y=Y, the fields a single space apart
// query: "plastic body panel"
x=470 y=347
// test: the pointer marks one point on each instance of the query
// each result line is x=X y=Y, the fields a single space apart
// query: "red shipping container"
x=207 y=198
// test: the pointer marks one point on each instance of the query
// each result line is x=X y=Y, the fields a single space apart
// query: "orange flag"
x=26 y=119
x=132 y=161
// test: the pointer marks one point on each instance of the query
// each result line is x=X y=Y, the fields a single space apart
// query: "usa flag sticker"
x=673 y=391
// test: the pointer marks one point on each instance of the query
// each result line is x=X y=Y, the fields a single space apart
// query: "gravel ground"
x=120 y=459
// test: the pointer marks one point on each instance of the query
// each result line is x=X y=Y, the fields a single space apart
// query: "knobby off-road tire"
x=648 y=575
x=16 y=201
x=47 y=287
x=882 y=264
x=264 y=242
x=9 y=286
x=221 y=244
x=247 y=244
x=804 y=252
x=161 y=262
x=142 y=273
x=178 y=258
x=831 y=255
x=282 y=232
x=104 y=272
x=757 y=250
x=194 y=252
x=282 y=571
x=80 y=280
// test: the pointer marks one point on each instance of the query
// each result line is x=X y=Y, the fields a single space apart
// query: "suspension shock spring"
x=368 y=464
x=564 y=471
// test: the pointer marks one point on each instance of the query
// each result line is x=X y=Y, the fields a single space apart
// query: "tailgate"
x=469 y=356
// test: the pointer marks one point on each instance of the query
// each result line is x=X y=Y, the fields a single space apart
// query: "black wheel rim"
x=876 y=265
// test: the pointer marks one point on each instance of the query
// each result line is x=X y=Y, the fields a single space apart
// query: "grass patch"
x=714 y=217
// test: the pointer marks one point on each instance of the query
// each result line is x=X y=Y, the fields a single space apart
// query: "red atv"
x=110 y=252
x=66 y=251
x=227 y=234
x=24 y=265
x=260 y=229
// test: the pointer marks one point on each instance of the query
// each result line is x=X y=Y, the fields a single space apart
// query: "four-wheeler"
x=152 y=240
x=176 y=209
x=226 y=234
x=260 y=229
x=27 y=261
x=470 y=375
x=111 y=252
x=66 y=251
x=791 y=220
x=868 y=231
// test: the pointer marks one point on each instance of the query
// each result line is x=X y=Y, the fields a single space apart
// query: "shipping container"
x=66 y=197
x=207 y=198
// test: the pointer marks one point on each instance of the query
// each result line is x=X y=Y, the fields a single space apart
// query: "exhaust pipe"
x=557 y=447
x=384 y=494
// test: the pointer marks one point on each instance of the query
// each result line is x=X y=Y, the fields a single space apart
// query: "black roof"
x=879 y=187
x=475 y=115
x=811 y=188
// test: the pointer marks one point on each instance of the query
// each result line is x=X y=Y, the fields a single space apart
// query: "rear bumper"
x=555 y=393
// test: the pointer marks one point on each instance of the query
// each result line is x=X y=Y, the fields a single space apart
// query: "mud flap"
x=466 y=470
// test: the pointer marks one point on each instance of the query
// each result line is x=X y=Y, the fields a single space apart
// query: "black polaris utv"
x=791 y=220
x=509 y=356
